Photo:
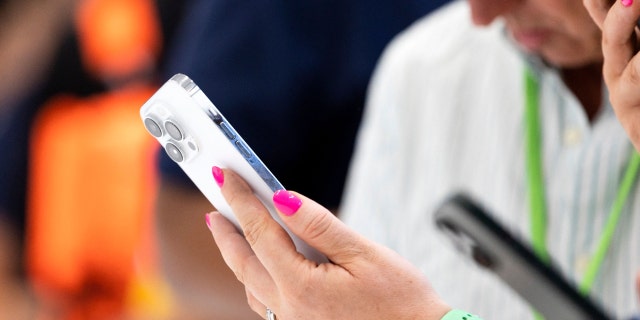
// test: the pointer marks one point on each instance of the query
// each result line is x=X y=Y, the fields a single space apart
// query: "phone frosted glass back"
x=195 y=134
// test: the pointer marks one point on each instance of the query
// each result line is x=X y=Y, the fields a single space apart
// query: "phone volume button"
x=243 y=149
x=227 y=131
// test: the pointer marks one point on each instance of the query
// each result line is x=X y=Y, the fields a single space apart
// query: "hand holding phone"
x=196 y=135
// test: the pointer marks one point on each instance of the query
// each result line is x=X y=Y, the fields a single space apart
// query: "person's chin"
x=569 y=61
x=531 y=40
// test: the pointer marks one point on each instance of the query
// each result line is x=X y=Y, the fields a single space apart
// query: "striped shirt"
x=446 y=113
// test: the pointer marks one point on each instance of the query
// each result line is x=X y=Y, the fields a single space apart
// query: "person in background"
x=23 y=62
x=517 y=115
x=291 y=78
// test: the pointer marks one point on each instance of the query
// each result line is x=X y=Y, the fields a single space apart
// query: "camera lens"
x=174 y=153
x=448 y=227
x=482 y=258
x=153 y=127
x=173 y=130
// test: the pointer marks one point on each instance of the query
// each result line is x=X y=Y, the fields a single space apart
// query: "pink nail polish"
x=627 y=3
x=207 y=219
x=286 y=202
x=218 y=175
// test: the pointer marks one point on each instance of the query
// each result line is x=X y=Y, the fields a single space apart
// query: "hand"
x=364 y=280
x=621 y=62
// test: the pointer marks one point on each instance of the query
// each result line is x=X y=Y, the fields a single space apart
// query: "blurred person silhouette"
x=291 y=77
x=23 y=62
x=69 y=100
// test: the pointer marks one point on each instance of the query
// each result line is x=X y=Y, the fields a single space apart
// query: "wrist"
x=430 y=309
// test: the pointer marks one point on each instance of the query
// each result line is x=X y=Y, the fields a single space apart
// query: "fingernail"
x=218 y=175
x=207 y=219
x=286 y=202
x=627 y=3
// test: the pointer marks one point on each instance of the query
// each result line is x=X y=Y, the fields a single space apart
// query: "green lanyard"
x=537 y=194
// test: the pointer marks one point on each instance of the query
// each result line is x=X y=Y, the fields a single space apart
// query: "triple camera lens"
x=174 y=132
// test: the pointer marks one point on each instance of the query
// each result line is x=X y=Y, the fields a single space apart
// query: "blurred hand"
x=364 y=280
x=621 y=70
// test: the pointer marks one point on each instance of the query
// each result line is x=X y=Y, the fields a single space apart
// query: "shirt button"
x=581 y=264
x=572 y=137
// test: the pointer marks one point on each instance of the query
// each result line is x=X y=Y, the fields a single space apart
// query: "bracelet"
x=456 y=314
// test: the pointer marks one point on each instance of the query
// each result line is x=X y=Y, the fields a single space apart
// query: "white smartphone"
x=481 y=238
x=196 y=135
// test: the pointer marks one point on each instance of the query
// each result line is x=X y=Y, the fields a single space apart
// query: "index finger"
x=308 y=220
x=619 y=37
x=322 y=230
x=269 y=241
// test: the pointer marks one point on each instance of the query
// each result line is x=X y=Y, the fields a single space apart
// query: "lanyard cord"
x=537 y=194
x=535 y=175
x=612 y=222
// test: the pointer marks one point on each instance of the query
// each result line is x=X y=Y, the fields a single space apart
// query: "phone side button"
x=227 y=131
x=243 y=149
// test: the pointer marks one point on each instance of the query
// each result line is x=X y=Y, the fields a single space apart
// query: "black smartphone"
x=483 y=239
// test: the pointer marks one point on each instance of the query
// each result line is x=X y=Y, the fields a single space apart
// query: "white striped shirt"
x=446 y=113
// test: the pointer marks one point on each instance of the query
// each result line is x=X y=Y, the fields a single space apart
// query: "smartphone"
x=196 y=135
x=491 y=246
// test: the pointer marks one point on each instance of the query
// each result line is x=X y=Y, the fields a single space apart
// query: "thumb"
x=319 y=228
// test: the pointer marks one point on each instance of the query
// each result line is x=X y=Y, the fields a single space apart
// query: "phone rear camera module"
x=482 y=258
x=448 y=227
x=174 y=152
x=153 y=127
x=173 y=130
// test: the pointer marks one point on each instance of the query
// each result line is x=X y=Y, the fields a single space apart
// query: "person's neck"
x=586 y=84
